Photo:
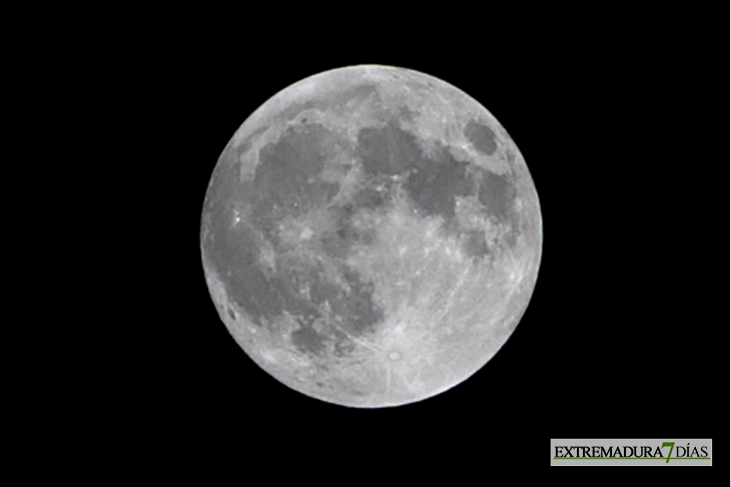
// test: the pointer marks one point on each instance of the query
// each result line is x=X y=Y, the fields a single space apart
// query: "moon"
x=371 y=236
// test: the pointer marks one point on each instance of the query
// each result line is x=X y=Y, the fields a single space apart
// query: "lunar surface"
x=371 y=236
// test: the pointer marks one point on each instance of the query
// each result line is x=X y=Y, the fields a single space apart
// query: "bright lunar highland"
x=371 y=236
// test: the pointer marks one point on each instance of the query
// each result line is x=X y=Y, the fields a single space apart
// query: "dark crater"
x=288 y=176
x=386 y=150
x=481 y=137
x=498 y=194
x=435 y=182
x=306 y=339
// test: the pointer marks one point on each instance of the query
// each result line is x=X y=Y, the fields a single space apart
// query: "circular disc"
x=371 y=236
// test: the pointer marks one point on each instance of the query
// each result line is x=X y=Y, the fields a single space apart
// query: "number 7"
x=671 y=445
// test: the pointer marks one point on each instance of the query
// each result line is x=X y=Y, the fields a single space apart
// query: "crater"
x=497 y=194
x=386 y=150
x=288 y=177
x=481 y=137
x=434 y=184
x=306 y=339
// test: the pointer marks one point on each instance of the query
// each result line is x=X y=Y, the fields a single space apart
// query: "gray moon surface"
x=371 y=236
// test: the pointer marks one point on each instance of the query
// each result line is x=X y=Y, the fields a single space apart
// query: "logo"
x=573 y=452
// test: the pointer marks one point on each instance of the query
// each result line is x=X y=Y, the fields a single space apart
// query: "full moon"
x=371 y=236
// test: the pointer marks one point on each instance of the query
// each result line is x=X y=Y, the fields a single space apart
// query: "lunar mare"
x=371 y=236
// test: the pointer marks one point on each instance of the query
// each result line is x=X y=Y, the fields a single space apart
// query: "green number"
x=671 y=445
